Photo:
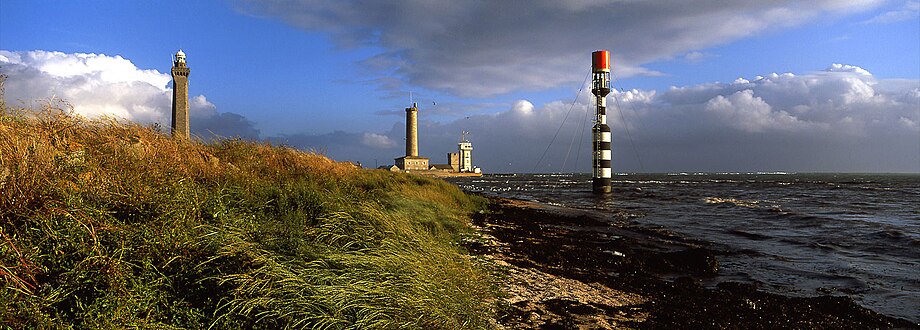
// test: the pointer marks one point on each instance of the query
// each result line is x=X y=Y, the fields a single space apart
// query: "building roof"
x=442 y=166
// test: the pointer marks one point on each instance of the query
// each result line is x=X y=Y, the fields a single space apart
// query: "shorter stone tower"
x=180 y=71
x=453 y=159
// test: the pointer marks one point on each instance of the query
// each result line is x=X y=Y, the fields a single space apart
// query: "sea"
x=855 y=235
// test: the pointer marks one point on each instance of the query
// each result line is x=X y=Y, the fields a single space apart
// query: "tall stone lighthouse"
x=180 y=97
x=412 y=131
x=412 y=161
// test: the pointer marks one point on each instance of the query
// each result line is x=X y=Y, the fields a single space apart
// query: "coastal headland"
x=568 y=269
x=105 y=224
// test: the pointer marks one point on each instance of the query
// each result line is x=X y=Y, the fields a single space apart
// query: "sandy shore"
x=566 y=269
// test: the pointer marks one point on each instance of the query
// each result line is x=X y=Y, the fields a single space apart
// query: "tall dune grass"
x=106 y=224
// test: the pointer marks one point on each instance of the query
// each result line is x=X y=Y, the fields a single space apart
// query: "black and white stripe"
x=602 y=154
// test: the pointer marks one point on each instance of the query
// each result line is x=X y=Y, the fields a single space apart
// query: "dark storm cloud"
x=484 y=48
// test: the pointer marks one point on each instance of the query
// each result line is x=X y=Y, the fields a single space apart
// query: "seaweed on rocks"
x=569 y=269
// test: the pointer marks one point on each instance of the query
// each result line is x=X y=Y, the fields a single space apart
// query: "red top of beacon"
x=600 y=61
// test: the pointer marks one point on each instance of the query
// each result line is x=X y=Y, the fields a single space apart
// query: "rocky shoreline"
x=568 y=269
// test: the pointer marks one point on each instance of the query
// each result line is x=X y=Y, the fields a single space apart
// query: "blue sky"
x=277 y=75
x=335 y=75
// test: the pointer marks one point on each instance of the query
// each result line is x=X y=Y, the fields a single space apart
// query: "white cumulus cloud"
x=377 y=141
x=745 y=111
x=836 y=67
x=523 y=107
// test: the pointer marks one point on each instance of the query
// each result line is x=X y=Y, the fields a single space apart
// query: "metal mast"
x=600 y=67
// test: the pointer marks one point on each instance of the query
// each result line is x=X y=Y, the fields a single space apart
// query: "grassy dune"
x=112 y=225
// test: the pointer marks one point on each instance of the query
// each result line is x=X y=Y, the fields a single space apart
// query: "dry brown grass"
x=112 y=224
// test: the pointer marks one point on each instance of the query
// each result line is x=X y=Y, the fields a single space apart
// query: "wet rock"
x=563 y=275
x=694 y=261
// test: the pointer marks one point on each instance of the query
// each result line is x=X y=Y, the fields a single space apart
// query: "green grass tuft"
x=105 y=224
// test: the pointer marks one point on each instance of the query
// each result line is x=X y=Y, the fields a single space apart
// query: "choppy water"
x=797 y=234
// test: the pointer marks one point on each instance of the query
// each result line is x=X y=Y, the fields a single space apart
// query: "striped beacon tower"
x=600 y=67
